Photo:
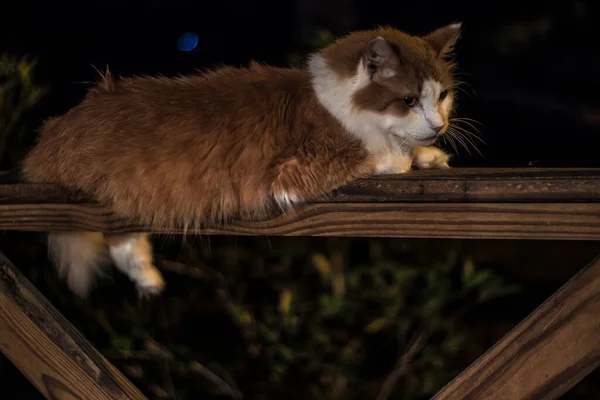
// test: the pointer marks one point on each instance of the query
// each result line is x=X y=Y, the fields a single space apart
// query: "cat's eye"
x=410 y=101
x=443 y=95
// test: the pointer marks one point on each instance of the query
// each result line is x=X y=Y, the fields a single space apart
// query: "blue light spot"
x=188 y=41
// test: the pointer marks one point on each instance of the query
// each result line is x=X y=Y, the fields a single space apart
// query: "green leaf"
x=405 y=275
x=268 y=334
x=468 y=269
x=323 y=266
x=453 y=344
x=377 y=325
x=497 y=290
x=287 y=353
x=330 y=305
x=479 y=278
x=351 y=349
x=285 y=301
x=121 y=342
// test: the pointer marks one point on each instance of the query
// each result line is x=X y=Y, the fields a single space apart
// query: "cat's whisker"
x=459 y=121
x=405 y=143
x=466 y=119
x=456 y=135
x=456 y=122
x=454 y=145
x=463 y=134
x=476 y=135
x=464 y=73
x=473 y=144
x=448 y=139
x=452 y=137
x=460 y=89
x=458 y=85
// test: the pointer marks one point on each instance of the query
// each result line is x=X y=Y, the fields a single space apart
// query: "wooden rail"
x=471 y=185
x=544 y=356
x=461 y=203
x=48 y=350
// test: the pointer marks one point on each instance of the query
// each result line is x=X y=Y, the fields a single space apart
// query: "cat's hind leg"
x=132 y=255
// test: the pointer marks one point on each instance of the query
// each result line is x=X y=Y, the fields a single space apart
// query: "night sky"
x=532 y=67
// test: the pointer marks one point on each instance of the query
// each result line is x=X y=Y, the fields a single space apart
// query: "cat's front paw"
x=430 y=157
x=391 y=163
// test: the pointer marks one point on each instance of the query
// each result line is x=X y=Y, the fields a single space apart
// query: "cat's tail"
x=79 y=257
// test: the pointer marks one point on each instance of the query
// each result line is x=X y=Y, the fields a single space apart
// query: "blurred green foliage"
x=322 y=38
x=19 y=93
x=304 y=318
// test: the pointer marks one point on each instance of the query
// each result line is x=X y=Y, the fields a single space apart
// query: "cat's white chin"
x=420 y=141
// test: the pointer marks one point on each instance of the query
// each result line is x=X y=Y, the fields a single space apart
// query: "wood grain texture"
x=48 y=350
x=509 y=185
x=564 y=221
x=546 y=354
x=457 y=203
x=477 y=185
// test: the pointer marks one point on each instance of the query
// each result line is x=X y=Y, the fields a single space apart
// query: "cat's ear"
x=442 y=40
x=380 y=59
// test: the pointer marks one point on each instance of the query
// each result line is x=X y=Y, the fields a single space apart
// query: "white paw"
x=149 y=281
x=430 y=158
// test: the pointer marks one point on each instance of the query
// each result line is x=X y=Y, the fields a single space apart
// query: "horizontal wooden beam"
x=477 y=185
x=563 y=221
x=464 y=185
x=457 y=203
x=48 y=350
x=546 y=354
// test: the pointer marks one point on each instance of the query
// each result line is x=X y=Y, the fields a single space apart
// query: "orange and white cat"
x=241 y=142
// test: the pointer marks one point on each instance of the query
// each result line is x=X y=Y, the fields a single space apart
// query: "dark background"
x=532 y=76
x=531 y=66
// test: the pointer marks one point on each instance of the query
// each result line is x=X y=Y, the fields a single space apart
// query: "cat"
x=235 y=142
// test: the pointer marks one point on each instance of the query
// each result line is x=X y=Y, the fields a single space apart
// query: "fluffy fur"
x=242 y=142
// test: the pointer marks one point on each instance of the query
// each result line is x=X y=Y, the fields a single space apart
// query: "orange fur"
x=200 y=148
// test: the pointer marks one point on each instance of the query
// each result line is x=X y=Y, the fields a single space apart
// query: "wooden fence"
x=542 y=358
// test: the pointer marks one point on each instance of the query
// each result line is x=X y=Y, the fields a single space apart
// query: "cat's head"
x=386 y=83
